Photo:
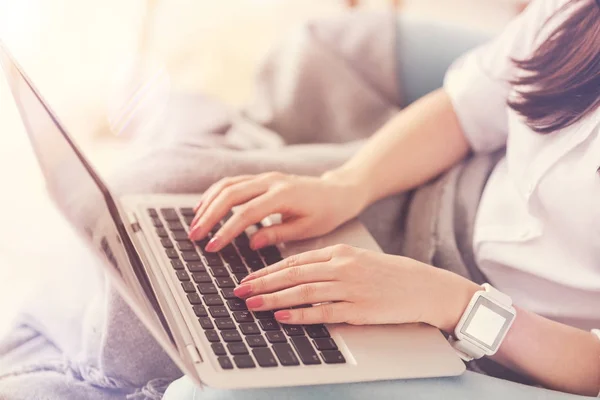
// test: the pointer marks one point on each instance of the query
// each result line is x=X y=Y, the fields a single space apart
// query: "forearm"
x=418 y=144
x=557 y=356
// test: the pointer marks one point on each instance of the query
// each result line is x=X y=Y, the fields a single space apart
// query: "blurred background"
x=90 y=58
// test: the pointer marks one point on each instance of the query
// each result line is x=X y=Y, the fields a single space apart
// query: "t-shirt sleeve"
x=478 y=82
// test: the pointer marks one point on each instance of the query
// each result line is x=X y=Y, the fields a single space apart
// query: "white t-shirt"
x=537 y=231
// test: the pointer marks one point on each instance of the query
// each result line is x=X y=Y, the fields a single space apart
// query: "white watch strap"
x=497 y=295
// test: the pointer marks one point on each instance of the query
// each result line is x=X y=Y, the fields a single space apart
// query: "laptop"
x=184 y=296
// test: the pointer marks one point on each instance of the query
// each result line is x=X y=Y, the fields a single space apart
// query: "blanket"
x=319 y=93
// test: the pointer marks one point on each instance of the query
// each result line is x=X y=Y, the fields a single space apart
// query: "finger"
x=286 y=278
x=331 y=313
x=223 y=202
x=214 y=190
x=308 y=293
x=287 y=231
x=309 y=257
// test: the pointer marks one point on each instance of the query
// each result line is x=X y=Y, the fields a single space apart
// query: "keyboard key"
x=225 y=362
x=188 y=220
x=177 y=264
x=196 y=267
x=276 y=337
x=213 y=300
x=219 y=349
x=293 y=330
x=207 y=288
x=219 y=272
x=236 y=305
x=263 y=314
x=333 y=357
x=231 y=336
x=255 y=265
x=268 y=324
x=179 y=235
x=162 y=232
x=169 y=214
x=206 y=323
x=157 y=222
x=188 y=287
x=172 y=253
x=185 y=245
x=243 y=316
x=166 y=243
x=233 y=259
x=218 y=312
x=228 y=294
x=242 y=240
x=307 y=353
x=194 y=298
x=317 y=331
x=212 y=336
x=201 y=277
x=238 y=268
x=213 y=259
x=256 y=341
x=271 y=255
x=325 y=344
x=240 y=276
x=264 y=357
x=249 y=328
x=285 y=354
x=244 y=362
x=175 y=225
x=182 y=276
x=228 y=251
x=202 y=242
x=237 y=348
x=224 y=323
x=200 y=311
x=225 y=282
x=215 y=228
x=190 y=256
x=187 y=211
x=152 y=212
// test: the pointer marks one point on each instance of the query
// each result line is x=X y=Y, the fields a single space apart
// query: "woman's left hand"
x=357 y=287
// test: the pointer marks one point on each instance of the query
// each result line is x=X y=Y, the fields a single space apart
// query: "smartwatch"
x=484 y=324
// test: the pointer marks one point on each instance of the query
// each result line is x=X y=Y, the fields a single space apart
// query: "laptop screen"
x=77 y=190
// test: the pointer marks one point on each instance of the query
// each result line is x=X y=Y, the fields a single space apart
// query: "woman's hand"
x=309 y=207
x=357 y=287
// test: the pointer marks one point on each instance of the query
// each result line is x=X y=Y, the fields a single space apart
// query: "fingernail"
x=254 y=302
x=242 y=291
x=198 y=206
x=214 y=244
x=283 y=315
x=258 y=242
x=193 y=231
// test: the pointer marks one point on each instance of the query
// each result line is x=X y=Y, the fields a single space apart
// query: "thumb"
x=284 y=232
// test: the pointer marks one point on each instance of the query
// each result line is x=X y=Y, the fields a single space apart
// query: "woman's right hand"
x=309 y=207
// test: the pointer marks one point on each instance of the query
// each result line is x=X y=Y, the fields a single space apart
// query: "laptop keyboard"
x=239 y=337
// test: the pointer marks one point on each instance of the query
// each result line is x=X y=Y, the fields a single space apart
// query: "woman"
x=536 y=90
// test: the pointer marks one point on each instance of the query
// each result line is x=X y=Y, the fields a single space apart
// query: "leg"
x=468 y=386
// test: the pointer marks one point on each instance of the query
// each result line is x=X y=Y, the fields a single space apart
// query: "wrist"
x=355 y=189
x=449 y=297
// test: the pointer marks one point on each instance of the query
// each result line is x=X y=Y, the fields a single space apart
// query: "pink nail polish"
x=242 y=291
x=213 y=245
x=259 y=242
x=283 y=315
x=198 y=206
x=254 y=302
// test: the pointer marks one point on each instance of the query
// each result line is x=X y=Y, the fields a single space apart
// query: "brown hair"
x=563 y=75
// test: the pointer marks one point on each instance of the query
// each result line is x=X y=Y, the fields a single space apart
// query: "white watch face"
x=487 y=323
